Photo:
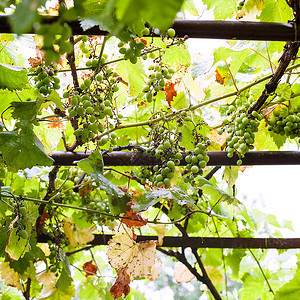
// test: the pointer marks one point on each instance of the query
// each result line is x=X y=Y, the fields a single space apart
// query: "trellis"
x=235 y=30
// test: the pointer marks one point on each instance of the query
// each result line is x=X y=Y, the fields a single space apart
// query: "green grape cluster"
x=133 y=51
x=196 y=161
x=241 y=128
x=285 y=123
x=157 y=80
x=165 y=148
x=93 y=104
x=21 y=221
x=83 y=47
x=45 y=79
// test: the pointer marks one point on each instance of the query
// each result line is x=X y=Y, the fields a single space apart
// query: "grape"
x=194 y=169
x=171 y=32
x=66 y=95
x=22 y=210
x=80 y=111
x=23 y=234
x=89 y=110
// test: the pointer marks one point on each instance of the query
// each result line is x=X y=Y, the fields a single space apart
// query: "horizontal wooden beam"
x=208 y=242
x=217 y=158
x=234 y=30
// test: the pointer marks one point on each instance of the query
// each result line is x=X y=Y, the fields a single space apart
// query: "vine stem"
x=51 y=203
x=262 y=271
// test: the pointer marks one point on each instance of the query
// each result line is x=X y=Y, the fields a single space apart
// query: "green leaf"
x=279 y=12
x=291 y=290
x=23 y=150
x=25 y=112
x=17 y=246
x=149 y=198
x=234 y=260
x=66 y=264
x=93 y=164
x=64 y=290
x=133 y=74
x=254 y=289
x=222 y=9
x=12 y=78
x=118 y=17
x=214 y=192
x=177 y=56
x=118 y=199
x=278 y=139
x=189 y=5
x=25 y=15
x=230 y=175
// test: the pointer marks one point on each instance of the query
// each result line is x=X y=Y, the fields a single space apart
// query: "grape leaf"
x=143 y=202
x=177 y=56
x=189 y=5
x=47 y=278
x=222 y=9
x=17 y=246
x=23 y=150
x=77 y=236
x=291 y=290
x=7 y=97
x=118 y=17
x=182 y=273
x=118 y=199
x=10 y=277
x=155 y=270
x=234 y=259
x=135 y=219
x=89 y=268
x=25 y=112
x=25 y=15
x=124 y=253
x=12 y=78
x=251 y=9
x=92 y=164
x=278 y=139
x=214 y=192
x=279 y=12
x=133 y=75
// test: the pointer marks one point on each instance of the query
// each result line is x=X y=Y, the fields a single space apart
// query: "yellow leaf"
x=48 y=279
x=161 y=232
x=214 y=275
x=250 y=10
x=124 y=252
x=155 y=270
x=182 y=273
x=10 y=277
x=76 y=235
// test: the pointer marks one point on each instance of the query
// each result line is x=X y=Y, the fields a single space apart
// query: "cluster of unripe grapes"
x=285 y=123
x=165 y=148
x=241 y=128
x=157 y=80
x=93 y=104
x=133 y=51
x=196 y=161
x=21 y=222
x=45 y=79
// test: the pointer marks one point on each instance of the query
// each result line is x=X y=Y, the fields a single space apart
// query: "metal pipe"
x=235 y=30
x=127 y=158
